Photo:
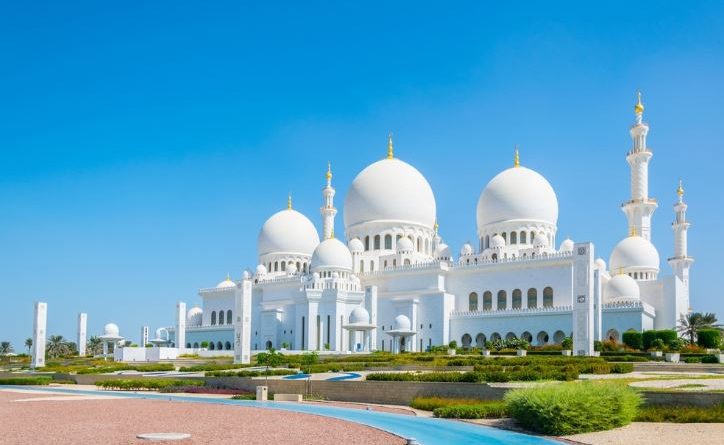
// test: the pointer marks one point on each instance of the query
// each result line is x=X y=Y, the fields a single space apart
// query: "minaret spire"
x=390 y=147
x=681 y=261
x=327 y=210
x=516 y=157
x=640 y=207
x=289 y=201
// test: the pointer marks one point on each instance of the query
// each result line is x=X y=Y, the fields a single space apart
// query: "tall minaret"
x=681 y=261
x=640 y=207
x=327 y=210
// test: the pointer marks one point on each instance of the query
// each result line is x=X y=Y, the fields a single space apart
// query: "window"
x=213 y=318
x=487 y=300
x=372 y=266
x=495 y=336
x=532 y=298
x=188 y=345
x=467 y=340
x=502 y=300
x=361 y=266
x=228 y=317
x=480 y=340
x=473 y=302
x=522 y=238
x=276 y=266
x=517 y=298
x=513 y=238
x=487 y=241
x=227 y=345
x=383 y=345
x=527 y=337
x=196 y=345
x=495 y=257
x=510 y=336
x=407 y=262
x=212 y=346
x=548 y=297
x=299 y=266
x=385 y=264
x=388 y=241
x=419 y=244
x=377 y=242
x=284 y=266
x=558 y=337
x=221 y=317
x=505 y=237
x=542 y=338
x=219 y=346
x=367 y=243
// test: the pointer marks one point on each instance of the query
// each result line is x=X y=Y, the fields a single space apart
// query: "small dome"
x=292 y=268
x=161 y=334
x=622 y=286
x=497 y=242
x=315 y=276
x=442 y=252
x=634 y=252
x=331 y=254
x=226 y=284
x=359 y=315
x=467 y=249
x=246 y=275
x=287 y=232
x=194 y=316
x=356 y=246
x=601 y=264
x=402 y=323
x=260 y=269
x=540 y=240
x=566 y=245
x=405 y=245
x=111 y=330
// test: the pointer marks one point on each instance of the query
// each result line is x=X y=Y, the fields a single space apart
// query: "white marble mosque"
x=394 y=285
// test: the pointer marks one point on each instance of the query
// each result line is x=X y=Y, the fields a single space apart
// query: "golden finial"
x=390 y=148
x=516 y=158
x=331 y=235
x=633 y=230
x=620 y=270
x=289 y=202
x=680 y=189
x=329 y=171
x=436 y=226
x=639 y=107
x=228 y=277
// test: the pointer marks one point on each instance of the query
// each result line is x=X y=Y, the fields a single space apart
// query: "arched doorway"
x=480 y=340
x=467 y=340
x=542 y=338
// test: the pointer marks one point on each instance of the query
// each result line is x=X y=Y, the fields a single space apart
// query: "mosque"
x=396 y=286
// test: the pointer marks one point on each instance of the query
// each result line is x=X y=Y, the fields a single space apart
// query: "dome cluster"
x=636 y=257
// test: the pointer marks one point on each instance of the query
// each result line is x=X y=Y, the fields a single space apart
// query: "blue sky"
x=144 y=144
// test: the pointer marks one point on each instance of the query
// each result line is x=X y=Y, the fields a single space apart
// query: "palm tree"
x=5 y=348
x=57 y=346
x=94 y=346
x=690 y=324
x=28 y=344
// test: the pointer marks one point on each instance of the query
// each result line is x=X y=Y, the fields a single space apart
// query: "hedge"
x=25 y=381
x=708 y=338
x=432 y=403
x=124 y=367
x=487 y=410
x=574 y=407
x=633 y=339
x=250 y=373
x=211 y=367
x=665 y=335
x=145 y=384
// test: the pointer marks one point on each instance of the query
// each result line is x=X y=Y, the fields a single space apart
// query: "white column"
x=328 y=211
x=583 y=296
x=180 y=325
x=82 y=333
x=40 y=323
x=144 y=336
x=371 y=299
x=242 y=323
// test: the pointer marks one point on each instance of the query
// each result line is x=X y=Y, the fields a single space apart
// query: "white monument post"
x=40 y=324
x=144 y=336
x=82 y=330
x=242 y=322
x=181 y=325
x=583 y=296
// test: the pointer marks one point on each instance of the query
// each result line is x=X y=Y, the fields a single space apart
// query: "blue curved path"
x=427 y=431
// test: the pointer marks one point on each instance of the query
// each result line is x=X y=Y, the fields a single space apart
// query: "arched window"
x=372 y=266
x=542 y=338
x=212 y=346
x=367 y=242
x=219 y=346
x=495 y=257
x=221 y=317
x=510 y=336
x=407 y=262
x=522 y=238
x=229 y=320
x=532 y=298
x=227 y=345
x=361 y=266
x=304 y=267
x=513 y=238
x=517 y=298
x=284 y=266
x=384 y=266
x=268 y=345
x=558 y=337
x=480 y=340
x=270 y=267
x=548 y=297
x=467 y=340
x=419 y=244
x=494 y=336
x=276 y=266
x=531 y=237
x=188 y=345
x=527 y=337
x=612 y=335
x=388 y=241
x=502 y=300
x=487 y=300
x=213 y=318
x=299 y=266
x=505 y=237
x=196 y=345
x=473 y=302
x=487 y=241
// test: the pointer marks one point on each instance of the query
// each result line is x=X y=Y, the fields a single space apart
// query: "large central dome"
x=517 y=194
x=287 y=232
x=390 y=190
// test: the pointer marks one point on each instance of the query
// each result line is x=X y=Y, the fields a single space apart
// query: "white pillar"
x=40 y=323
x=82 y=333
x=144 y=336
x=180 y=325
x=242 y=323
x=371 y=299
x=583 y=296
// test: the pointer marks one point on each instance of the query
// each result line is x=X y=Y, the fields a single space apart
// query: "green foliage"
x=597 y=346
x=621 y=368
x=26 y=381
x=574 y=407
x=268 y=372
x=431 y=403
x=204 y=344
x=127 y=367
x=270 y=359
x=5 y=348
x=681 y=414
x=710 y=358
x=657 y=345
x=453 y=344
x=211 y=367
x=691 y=324
x=708 y=338
x=633 y=339
x=145 y=384
x=494 y=409
x=567 y=343
x=667 y=335
x=676 y=345
x=247 y=396
x=647 y=337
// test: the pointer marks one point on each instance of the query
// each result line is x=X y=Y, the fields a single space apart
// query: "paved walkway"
x=640 y=433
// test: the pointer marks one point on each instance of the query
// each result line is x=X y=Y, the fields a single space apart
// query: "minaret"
x=640 y=207
x=681 y=261
x=327 y=210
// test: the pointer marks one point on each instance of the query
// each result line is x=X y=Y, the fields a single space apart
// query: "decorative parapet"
x=508 y=312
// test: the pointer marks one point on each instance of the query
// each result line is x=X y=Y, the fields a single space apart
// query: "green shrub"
x=681 y=414
x=211 y=367
x=431 y=403
x=708 y=338
x=145 y=384
x=567 y=343
x=249 y=396
x=633 y=339
x=127 y=367
x=625 y=358
x=692 y=359
x=647 y=338
x=573 y=407
x=25 y=381
x=710 y=358
x=494 y=409
x=247 y=373
x=621 y=368
x=667 y=335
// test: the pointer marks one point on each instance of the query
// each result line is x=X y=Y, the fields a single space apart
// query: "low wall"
x=678 y=398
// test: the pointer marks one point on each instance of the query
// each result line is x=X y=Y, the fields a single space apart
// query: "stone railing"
x=491 y=313
x=517 y=259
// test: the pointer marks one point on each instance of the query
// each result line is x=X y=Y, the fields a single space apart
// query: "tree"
x=94 y=346
x=28 y=344
x=690 y=324
x=57 y=346
x=5 y=348
x=270 y=359
x=309 y=359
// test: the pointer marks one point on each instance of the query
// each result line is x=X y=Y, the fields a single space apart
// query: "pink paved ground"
x=119 y=421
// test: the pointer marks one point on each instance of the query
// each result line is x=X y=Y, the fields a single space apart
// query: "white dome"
x=443 y=252
x=390 y=190
x=497 y=241
x=634 y=252
x=260 y=269
x=601 y=264
x=332 y=254
x=246 y=275
x=356 y=246
x=467 y=249
x=540 y=240
x=226 y=284
x=622 y=286
x=402 y=323
x=517 y=193
x=194 y=315
x=359 y=315
x=111 y=330
x=566 y=245
x=404 y=244
x=289 y=232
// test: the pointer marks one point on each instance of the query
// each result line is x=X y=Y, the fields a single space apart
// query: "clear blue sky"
x=144 y=144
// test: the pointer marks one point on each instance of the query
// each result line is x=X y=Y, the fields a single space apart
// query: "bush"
x=432 y=403
x=574 y=407
x=647 y=338
x=657 y=345
x=710 y=358
x=494 y=409
x=211 y=367
x=681 y=414
x=621 y=368
x=250 y=373
x=25 y=381
x=249 y=396
x=567 y=343
x=667 y=335
x=145 y=384
x=708 y=338
x=633 y=339
x=676 y=345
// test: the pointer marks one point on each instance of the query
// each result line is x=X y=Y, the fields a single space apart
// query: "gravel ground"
x=118 y=421
x=641 y=433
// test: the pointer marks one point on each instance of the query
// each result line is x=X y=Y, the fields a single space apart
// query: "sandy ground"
x=62 y=419
x=640 y=433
